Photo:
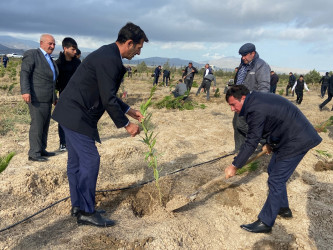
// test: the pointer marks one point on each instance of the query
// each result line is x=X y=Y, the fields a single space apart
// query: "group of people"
x=40 y=76
x=166 y=75
x=287 y=133
x=92 y=89
x=295 y=86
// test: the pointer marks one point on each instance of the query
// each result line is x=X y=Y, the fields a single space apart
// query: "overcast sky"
x=287 y=33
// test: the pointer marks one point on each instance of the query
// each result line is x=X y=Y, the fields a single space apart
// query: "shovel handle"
x=222 y=177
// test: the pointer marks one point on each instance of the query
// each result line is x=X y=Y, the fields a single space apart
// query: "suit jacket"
x=36 y=77
x=280 y=122
x=91 y=91
x=330 y=85
x=191 y=75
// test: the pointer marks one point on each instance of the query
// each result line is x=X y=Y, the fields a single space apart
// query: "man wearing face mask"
x=91 y=91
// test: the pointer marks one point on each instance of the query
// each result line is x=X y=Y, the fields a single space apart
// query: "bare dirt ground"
x=185 y=138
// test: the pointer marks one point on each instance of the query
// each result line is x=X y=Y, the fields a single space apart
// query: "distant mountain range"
x=6 y=50
x=10 y=44
x=155 y=61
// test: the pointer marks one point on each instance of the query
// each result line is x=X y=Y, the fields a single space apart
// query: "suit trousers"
x=155 y=80
x=278 y=174
x=323 y=90
x=40 y=114
x=82 y=169
x=240 y=130
x=329 y=98
x=188 y=83
x=206 y=85
x=61 y=135
x=299 y=98
x=287 y=90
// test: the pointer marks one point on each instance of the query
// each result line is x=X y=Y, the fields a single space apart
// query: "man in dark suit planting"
x=288 y=134
x=91 y=91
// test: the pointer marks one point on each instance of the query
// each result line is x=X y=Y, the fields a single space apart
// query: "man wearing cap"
x=254 y=73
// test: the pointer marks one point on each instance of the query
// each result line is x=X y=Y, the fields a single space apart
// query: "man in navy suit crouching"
x=288 y=134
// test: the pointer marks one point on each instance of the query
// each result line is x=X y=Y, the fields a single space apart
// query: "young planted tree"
x=149 y=139
x=4 y=161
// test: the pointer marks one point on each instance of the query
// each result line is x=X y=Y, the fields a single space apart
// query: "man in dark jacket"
x=330 y=94
x=37 y=79
x=254 y=73
x=291 y=82
x=67 y=64
x=188 y=75
x=166 y=77
x=157 y=73
x=288 y=134
x=91 y=91
x=5 y=60
x=324 y=84
x=274 y=82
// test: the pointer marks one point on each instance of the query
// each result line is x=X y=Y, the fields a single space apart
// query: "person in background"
x=91 y=91
x=330 y=94
x=324 y=84
x=208 y=77
x=290 y=84
x=288 y=135
x=274 y=82
x=78 y=54
x=188 y=75
x=299 y=86
x=157 y=73
x=180 y=89
x=129 y=71
x=5 y=60
x=67 y=63
x=166 y=77
x=37 y=79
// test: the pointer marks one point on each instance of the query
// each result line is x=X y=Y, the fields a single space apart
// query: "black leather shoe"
x=257 y=227
x=37 y=158
x=285 y=212
x=75 y=211
x=48 y=154
x=94 y=219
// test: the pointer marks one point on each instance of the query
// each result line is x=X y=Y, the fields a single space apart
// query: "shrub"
x=170 y=102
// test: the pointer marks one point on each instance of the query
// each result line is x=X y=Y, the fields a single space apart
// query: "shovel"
x=180 y=201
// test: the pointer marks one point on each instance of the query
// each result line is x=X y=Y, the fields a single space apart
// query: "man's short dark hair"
x=131 y=32
x=237 y=91
x=69 y=42
x=78 y=52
